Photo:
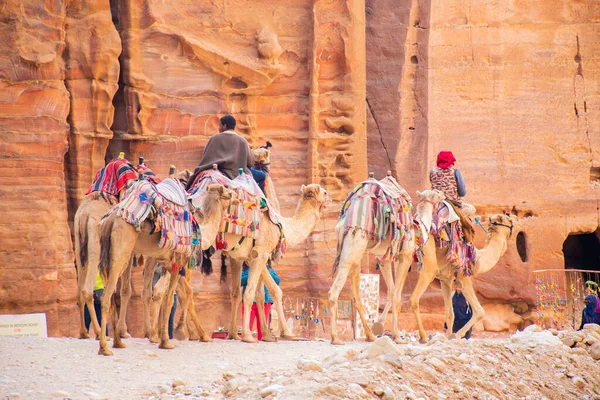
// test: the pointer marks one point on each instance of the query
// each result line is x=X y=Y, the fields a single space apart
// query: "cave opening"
x=582 y=251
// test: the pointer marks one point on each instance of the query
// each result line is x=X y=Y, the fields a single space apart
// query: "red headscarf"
x=445 y=159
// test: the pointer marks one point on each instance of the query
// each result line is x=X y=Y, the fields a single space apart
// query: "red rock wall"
x=512 y=89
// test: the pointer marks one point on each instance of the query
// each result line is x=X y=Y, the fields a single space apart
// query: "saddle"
x=465 y=222
x=167 y=207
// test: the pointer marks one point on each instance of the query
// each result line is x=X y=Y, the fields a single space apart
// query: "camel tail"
x=223 y=269
x=106 y=226
x=341 y=232
x=81 y=243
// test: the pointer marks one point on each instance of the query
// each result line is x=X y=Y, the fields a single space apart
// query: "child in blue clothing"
x=268 y=298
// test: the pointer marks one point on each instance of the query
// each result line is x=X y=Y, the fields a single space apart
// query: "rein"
x=511 y=226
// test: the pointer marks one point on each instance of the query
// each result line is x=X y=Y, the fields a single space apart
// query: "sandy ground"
x=532 y=365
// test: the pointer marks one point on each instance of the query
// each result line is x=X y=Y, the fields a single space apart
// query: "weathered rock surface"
x=510 y=89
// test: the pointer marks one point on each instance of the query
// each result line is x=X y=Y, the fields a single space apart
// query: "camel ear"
x=302 y=189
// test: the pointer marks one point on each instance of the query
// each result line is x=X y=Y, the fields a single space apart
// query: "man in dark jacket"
x=228 y=150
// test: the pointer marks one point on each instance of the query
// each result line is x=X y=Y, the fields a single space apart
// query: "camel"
x=295 y=229
x=436 y=266
x=120 y=239
x=351 y=249
x=87 y=255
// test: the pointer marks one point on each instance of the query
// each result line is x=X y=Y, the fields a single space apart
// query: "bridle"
x=511 y=226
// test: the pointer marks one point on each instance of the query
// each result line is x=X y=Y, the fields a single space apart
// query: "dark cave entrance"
x=582 y=251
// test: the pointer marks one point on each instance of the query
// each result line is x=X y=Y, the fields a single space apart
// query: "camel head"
x=262 y=157
x=315 y=195
x=184 y=176
x=433 y=196
x=505 y=222
x=217 y=199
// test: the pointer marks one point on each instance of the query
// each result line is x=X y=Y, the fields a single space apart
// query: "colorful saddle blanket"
x=166 y=204
x=447 y=232
x=381 y=209
x=243 y=219
x=113 y=177
x=148 y=174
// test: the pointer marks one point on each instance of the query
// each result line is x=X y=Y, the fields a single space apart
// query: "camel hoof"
x=83 y=335
x=337 y=342
x=249 y=339
x=154 y=339
x=166 y=345
x=179 y=334
x=377 y=329
x=104 y=352
x=422 y=341
x=124 y=334
x=233 y=336
x=290 y=338
x=399 y=340
x=118 y=345
x=269 y=339
x=453 y=336
x=206 y=339
x=370 y=338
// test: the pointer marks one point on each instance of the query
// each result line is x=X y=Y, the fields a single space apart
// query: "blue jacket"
x=268 y=298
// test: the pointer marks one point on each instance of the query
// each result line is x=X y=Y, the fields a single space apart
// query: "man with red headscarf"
x=448 y=179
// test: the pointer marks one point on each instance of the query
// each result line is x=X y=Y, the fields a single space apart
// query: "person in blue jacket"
x=268 y=298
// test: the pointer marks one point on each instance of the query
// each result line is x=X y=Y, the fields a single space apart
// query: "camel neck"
x=491 y=253
x=304 y=221
x=424 y=213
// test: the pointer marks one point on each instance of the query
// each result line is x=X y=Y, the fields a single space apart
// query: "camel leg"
x=333 y=295
x=183 y=296
x=256 y=267
x=402 y=267
x=91 y=271
x=478 y=311
x=277 y=295
x=426 y=276
x=355 y=280
x=148 y=304
x=109 y=289
x=117 y=342
x=448 y=310
x=386 y=273
x=165 y=311
x=236 y=297
x=260 y=307
x=353 y=248
x=158 y=297
x=125 y=296
x=186 y=287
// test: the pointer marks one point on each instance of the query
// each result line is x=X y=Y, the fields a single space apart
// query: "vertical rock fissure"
x=119 y=126
x=70 y=169
x=381 y=137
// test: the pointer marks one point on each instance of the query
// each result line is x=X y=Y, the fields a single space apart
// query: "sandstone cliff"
x=339 y=87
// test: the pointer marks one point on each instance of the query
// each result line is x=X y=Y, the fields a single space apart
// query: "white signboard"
x=23 y=325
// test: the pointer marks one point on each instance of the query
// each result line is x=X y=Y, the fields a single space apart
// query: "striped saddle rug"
x=381 y=210
x=167 y=206
x=447 y=232
x=241 y=219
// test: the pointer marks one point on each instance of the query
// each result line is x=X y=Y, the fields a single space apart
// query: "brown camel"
x=350 y=254
x=119 y=240
x=87 y=256
x=435 y=266
x=295 y=229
